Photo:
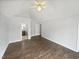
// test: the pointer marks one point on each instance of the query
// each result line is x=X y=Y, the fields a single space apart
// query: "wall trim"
x=4 y=51
x=34 y=35
x=15 y=41
x=21 y=39
x=60 y=44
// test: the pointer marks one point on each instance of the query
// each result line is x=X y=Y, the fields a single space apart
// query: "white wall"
x=3 y=34
x=15 y=31
x=78 y=39
x=35 y=28
x=61 y=31
x=78 y=35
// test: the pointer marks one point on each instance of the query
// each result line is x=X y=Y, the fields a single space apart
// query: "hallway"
x=38 y=48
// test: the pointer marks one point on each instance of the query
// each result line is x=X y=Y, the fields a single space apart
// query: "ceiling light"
x=39 y=4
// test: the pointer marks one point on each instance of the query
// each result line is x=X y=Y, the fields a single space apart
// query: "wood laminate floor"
x=38 y=48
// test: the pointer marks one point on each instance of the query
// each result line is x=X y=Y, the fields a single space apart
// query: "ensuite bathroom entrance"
x=24 y=31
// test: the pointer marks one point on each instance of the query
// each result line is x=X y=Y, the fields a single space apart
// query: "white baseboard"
x=35 y=35
x=21 y=39
x=60 y=44
x=15 y=41
x=4 y=51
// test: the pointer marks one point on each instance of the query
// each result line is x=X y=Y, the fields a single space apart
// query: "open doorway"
x=24 y=31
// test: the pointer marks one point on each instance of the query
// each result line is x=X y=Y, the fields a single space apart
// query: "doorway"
x=24 y=31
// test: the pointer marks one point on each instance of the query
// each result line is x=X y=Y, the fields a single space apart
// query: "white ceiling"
x=54 y=9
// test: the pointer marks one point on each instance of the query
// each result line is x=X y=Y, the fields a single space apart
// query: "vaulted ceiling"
x=54 y=9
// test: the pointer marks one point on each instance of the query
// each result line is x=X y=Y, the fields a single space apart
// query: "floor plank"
x=38 y=48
